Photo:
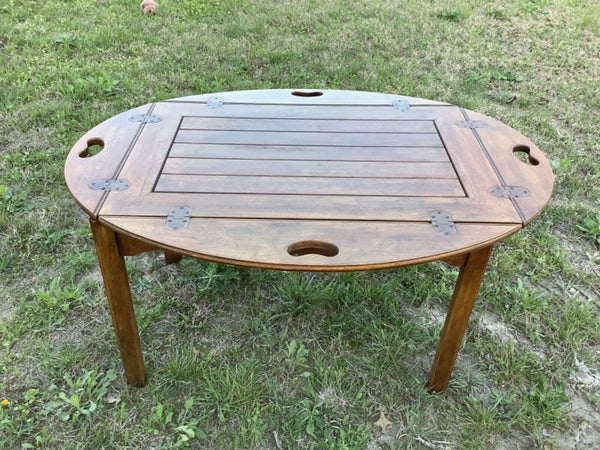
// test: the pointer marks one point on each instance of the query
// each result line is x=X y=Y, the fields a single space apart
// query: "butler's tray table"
x=305 y=180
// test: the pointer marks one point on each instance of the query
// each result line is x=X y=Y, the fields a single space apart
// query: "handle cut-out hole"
x=94 y=146
x=523 y=154
x=307 y=94
x=322 y=248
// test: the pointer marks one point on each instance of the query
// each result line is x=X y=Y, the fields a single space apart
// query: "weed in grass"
x=546 y=404
x=48 y=307
x=181 y=429
x=452 y=15
x=591 y=227
x=208 y=278
x=14 y=200
x=496 y=73
x=323 y=428
x=67 y=40
x=295 y=356
x=77 y=402
x=497 y=13
x=534 y=6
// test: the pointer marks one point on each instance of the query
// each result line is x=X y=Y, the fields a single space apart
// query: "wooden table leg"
x=457 y=318
x=116 y=284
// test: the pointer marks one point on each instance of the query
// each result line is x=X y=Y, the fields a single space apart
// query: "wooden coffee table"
x=305 y=180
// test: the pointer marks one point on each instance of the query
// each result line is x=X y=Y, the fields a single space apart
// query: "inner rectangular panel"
x=309 y=157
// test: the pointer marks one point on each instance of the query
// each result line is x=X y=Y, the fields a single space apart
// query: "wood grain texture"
x=116 y=284
x=130 y=246
x=308 y=125
x=329 y=97
x=117 y=133
x=328 y=169
x=308 y=185
x=347 y=139
x=314 y=153
x=264 y=243
x=309 y=207
x=457 y=317
x=499 y=141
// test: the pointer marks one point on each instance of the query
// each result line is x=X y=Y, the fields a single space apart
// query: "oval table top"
x=309 y=180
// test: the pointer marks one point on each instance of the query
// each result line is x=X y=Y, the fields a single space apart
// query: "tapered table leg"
x=457 y=318
x=116 y=284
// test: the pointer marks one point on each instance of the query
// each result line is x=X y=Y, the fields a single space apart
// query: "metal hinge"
x=401 y=105
x=471 y=124
x=509 y=192
x=442 y=223
x=178 y=218
x=103 y=184
x=146 y=118
x=214 y=102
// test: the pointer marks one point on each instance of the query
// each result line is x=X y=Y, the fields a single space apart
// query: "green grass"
x=241 y=358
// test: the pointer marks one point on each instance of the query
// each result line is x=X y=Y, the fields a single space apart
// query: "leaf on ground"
x=383 y=422
x=112 y=399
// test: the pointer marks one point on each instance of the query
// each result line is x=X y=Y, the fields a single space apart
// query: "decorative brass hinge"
x=509 y=192
x=401 y=105
x=146 y=118
x=442 y=223
x=178 y=218
x=471 y=124
x=103 y=184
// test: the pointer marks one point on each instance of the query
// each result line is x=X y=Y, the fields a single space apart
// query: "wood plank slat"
x=282 y=185
x=284 y=96
x=331 y=169
x=241 y=151
x=309 y=138
x=265 y=243
x=306 y=207
x=267 y=111
x=307 y=125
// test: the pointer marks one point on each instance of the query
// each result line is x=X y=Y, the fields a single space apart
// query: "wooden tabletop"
x=309 y=180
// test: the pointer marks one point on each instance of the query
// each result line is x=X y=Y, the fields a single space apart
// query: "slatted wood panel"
x=310 y=156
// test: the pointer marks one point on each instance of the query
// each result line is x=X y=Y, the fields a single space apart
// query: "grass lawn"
x=241 y=358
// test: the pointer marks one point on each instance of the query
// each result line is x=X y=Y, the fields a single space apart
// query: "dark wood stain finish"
x=327 y=181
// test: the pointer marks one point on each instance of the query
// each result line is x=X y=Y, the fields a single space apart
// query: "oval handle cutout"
x=523 y=154
x=313 y=247
x=307 y=94
x=94 y=146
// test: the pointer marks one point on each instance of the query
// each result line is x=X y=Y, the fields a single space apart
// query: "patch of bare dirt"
x=582 y=255
x=585 y=434
x=586 y=378
x=7 y=310
x=497 y=327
